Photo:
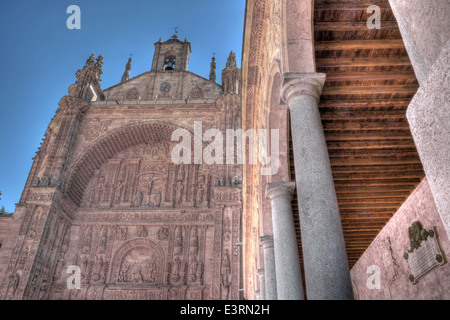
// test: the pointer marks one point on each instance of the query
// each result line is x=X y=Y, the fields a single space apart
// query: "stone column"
x=262 y=285
x=287 y=264
x=269 y=268
x=327 y=274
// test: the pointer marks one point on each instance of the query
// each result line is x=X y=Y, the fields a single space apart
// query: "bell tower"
x=172 y=54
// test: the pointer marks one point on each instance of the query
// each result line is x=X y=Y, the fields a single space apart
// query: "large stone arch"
x=105 y=147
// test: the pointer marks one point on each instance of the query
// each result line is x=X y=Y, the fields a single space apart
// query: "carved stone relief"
x=144 y=177
x=424 y=253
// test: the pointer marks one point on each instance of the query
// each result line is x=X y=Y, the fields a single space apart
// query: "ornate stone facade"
x=104 y=194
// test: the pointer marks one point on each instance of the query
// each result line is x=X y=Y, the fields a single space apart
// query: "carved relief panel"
x=144 y=177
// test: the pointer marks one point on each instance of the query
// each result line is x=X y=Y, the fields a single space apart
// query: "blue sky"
x=39 y=57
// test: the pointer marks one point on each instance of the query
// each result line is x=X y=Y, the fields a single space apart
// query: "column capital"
x=302 y=84
x=266 y=242
x=283 y=189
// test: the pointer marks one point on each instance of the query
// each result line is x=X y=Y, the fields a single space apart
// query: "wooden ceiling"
x=370 y=83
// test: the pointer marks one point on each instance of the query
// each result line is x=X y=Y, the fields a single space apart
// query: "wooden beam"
x=364 y=103
x=375 y=189
x=359 y=45
x=363 y=62
x=365 y=125
x=368 y=135
x=376 y=182
x=371 y=200
x=349 y=4
x=366 y=90
x=354 y=194
x=374 y=161
x=369 y=206
x=378 y=175
x=360 y=224
x=367 y=76
x=371 y=144
x=337 y=115
x=386 y=25
x=380 y=168
x=365 y=154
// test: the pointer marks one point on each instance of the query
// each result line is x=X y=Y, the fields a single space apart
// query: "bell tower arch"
x=172 y=54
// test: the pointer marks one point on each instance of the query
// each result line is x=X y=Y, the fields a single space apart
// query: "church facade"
x=105 y=195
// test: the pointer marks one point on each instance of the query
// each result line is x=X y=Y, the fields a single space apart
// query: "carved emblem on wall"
x=164 y=87
x=425 y=253
x=142 y=231
x=36 y=196
x=95 y=127
x=163 y=233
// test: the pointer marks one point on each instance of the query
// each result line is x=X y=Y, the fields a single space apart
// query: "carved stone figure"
x=179 y=192
x=43 y=289
x=59 y=267
x=121 y=233
x=103 y=240
x=123 y=274
x=87 y=241
x=157 y=199
x=163 y=233
x=176 y=269
x=13 y=284
x=200 y=187
x=150 y=181
x=45 y=182
x=137 y=200
x=142 y=231
x=99 y=189
x=118 y=187
x=193 y=267
x=237 y=181
x=151 y=271
x=226 y=226
x=97 y=269
x=231 y=63
x=178 y=250
x=84 y=266
x=226 y=272
x=36 y=182
x=136 y=273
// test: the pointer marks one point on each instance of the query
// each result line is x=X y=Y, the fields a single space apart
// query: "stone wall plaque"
x=425 y=253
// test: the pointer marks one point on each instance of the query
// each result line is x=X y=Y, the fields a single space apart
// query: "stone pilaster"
x=327 y=274
x=287 y=265
x=269 y=268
